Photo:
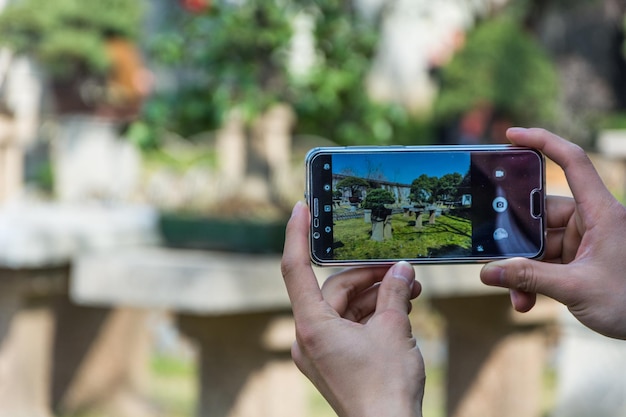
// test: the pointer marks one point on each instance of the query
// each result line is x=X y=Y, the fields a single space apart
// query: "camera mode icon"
x=500 y=234
x=499 y=173
x=500 y=204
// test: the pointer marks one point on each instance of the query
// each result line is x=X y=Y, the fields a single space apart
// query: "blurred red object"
x=196 y=6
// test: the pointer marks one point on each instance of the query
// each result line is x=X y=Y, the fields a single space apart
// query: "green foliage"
x=68 y=37
x=615 y=120
x=503 y=66
x=377 y=198
x=422 y=188
x=448 y=187
x=352 y=183
x=332 y=101
x=235 y=57
x=231 y=57
x=425 y=189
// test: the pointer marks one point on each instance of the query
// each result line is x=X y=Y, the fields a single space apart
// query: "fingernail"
x=296 y=207
x=517 y=129
x=493 y=275
x=404 y=271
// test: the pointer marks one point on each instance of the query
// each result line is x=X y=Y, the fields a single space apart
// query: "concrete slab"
x=205 y=282
x=42 y=235
x=198 y=282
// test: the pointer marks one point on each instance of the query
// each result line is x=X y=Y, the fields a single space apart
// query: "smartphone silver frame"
x=432 y=148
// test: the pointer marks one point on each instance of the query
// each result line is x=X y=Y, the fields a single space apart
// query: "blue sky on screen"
x=401 y=167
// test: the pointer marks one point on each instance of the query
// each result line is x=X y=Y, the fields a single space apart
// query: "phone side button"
x=316 y=222
x=535 y=204
x=316 y=207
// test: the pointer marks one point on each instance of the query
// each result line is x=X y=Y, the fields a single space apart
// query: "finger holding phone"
x=585 y=260
x=353 y=336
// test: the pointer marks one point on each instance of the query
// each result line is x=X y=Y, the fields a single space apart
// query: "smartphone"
x=425 y=204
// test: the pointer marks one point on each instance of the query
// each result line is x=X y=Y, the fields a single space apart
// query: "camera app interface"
x=424 y=205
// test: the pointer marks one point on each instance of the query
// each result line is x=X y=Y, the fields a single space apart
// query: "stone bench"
x=234 y=306
x=229 y=303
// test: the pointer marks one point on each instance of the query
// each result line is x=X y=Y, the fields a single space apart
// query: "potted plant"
x=236 y=55
x=232 y=69
x=85 y=49
x=87 y=56
x=355 y=185
x=377 y=200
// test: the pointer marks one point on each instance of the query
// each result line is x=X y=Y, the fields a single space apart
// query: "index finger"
x=582 y=177
x=302 y=287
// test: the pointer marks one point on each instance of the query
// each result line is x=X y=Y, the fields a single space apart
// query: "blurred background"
x=150 y=154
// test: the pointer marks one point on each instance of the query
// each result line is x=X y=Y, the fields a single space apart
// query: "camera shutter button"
x=500 y=204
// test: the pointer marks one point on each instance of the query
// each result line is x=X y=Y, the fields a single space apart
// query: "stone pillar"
x=378 y=230
x=432 y=217
x=26 y=336
x=367 y=216
x=590 y=372
x=56 y=356
x=101 y=361
x=231 y=153
x=25 y=87
x=387 y=229
x=419 y=220
x=494 y=363
x=11 y=159
x=277 y=124
x=25 y=364
x=242 y=373
x=23 y=92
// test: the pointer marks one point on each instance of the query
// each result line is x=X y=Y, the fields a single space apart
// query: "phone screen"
x=425 y=205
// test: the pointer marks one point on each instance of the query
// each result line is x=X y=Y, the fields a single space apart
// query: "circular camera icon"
x=500 y=204
x=326 y=187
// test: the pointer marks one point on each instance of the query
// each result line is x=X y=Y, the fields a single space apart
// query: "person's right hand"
x=585 y=262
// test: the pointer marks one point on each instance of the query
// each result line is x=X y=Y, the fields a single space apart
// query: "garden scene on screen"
x=392 y=206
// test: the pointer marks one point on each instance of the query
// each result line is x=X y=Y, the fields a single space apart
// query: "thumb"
x=395 y=290
x=526 y=277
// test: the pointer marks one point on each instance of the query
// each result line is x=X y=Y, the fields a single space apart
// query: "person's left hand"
x=353 y=337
